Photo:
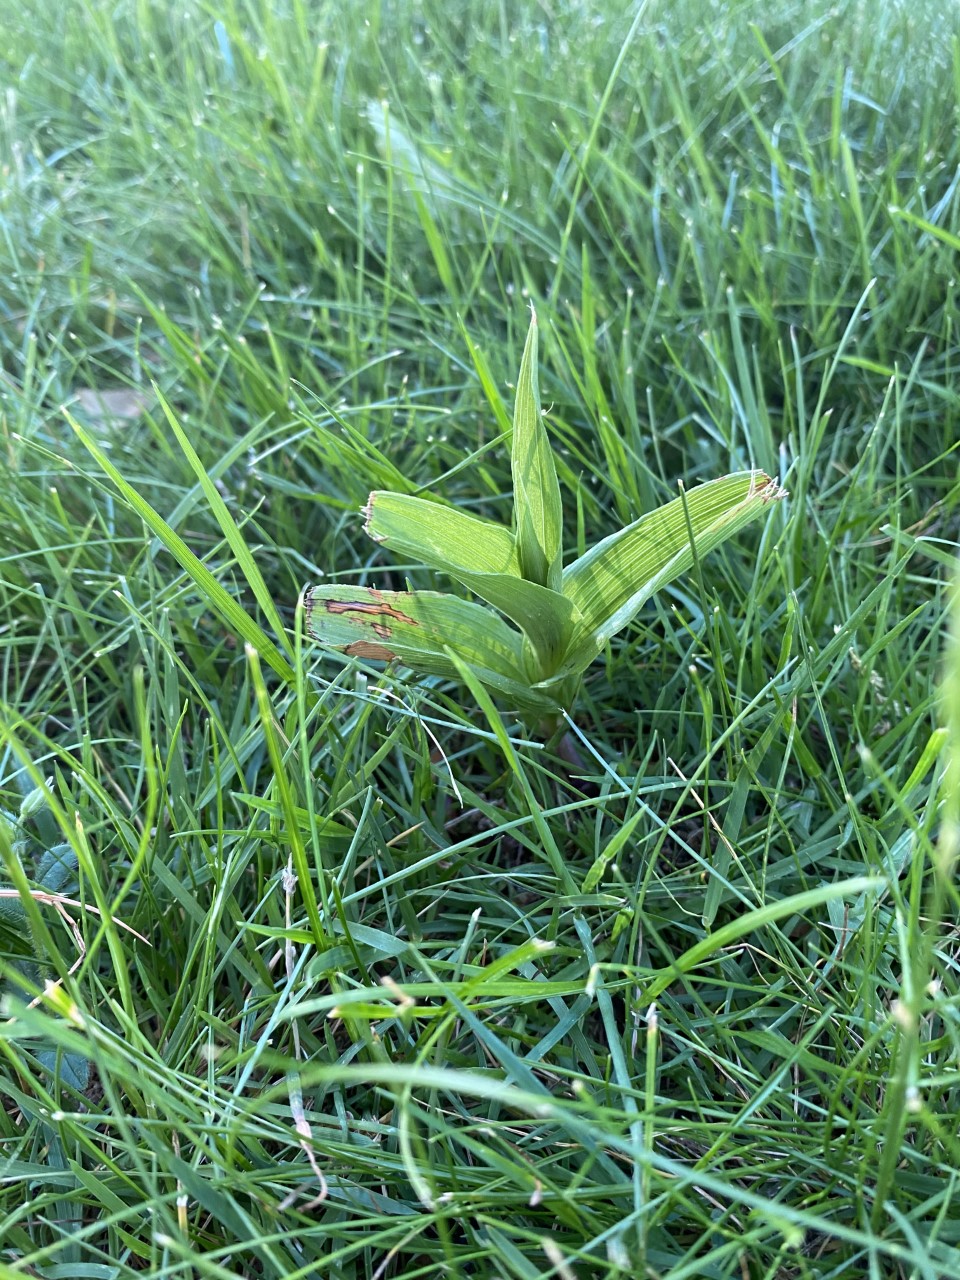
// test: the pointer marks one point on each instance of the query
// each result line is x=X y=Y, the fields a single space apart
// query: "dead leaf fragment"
x=111 y=406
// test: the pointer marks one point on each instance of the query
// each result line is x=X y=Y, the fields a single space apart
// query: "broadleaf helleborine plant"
x=562 y=617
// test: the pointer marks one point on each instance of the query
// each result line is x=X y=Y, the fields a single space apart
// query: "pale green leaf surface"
x=416 y=628
x=615 y=578
x=443 y=537
x=536 y=489
x=480 y=555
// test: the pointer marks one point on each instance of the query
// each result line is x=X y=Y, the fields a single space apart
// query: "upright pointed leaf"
x=612 y=581
x=416 y=628
x=481 y=555
x=536 y=490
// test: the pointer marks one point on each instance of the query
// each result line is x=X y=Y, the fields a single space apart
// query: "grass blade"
x=235 y=539
x=750 y=921
x=219 y=598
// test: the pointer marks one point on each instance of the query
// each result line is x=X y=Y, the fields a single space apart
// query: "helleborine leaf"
x=442 y=537
x=536 y=489
x=611 y=582
x=483 y=557
x=416 y=627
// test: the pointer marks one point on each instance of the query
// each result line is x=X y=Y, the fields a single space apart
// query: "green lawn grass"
x=304 y=993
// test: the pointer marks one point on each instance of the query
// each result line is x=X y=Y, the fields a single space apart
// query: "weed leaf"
x=536 y=490
x=483 y=557
x=416 y=628
x=615 y=578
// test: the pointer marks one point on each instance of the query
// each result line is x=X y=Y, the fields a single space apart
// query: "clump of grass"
x=417 y=998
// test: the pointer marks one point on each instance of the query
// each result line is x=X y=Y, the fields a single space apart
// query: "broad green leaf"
x=536 y=490
x=483 y=557
x=612 y=581
x=440 y=536
x=416 y=628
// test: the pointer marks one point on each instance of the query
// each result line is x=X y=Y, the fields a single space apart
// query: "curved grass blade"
x=713 y=944
x=232 y=612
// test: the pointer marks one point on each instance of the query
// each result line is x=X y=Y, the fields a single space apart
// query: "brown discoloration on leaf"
x=366 y=649
x=368 y=516
x=768 y=490
x=372 y=607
